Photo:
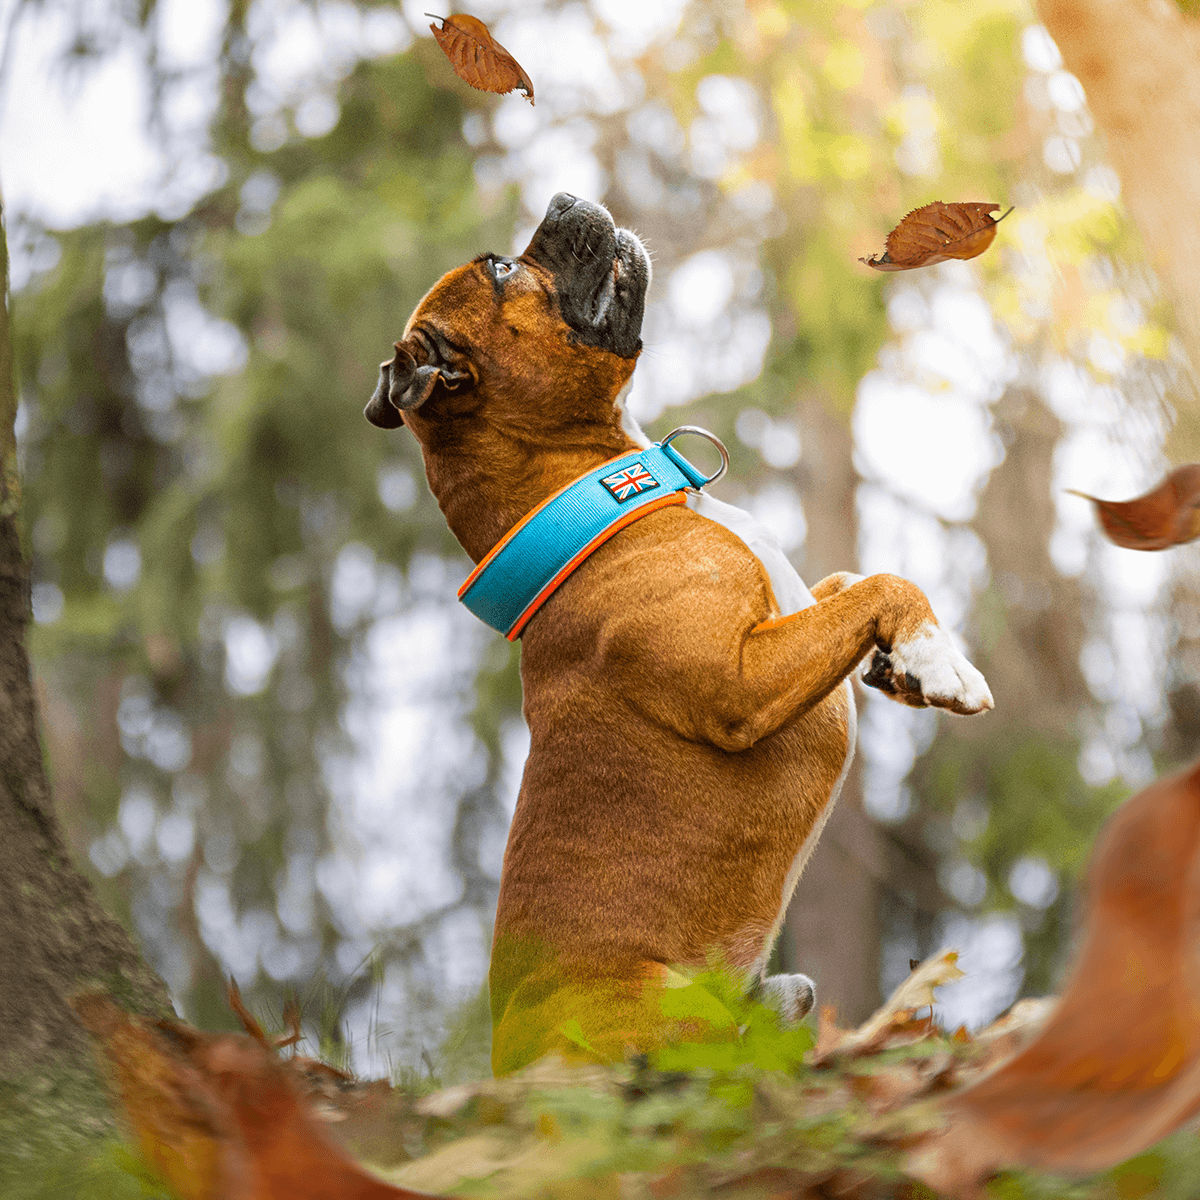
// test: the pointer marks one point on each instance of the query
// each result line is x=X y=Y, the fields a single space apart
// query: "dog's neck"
x=486 y=480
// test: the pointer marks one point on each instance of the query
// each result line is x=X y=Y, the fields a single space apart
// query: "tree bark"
x=1139 y=63
x=55 y=939
x=832 y=930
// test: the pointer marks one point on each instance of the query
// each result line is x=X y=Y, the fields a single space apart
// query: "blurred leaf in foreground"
x=1117 y=1066
x=1167 y=516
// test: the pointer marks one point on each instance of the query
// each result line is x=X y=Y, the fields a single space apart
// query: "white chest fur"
x=791 y=593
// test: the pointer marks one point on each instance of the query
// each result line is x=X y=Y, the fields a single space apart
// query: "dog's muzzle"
x=600 y=273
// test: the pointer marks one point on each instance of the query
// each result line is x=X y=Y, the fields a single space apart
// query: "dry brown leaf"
x=477 y=57
x=218 y=1115
x=829 y=1034
x=1117 y=1065
x=897 y=1021
x=177 y=1127
x=937 y=232
x=1167 y=516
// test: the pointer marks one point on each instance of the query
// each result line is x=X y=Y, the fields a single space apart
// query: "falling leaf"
x=1167 y=516
x=1117 y=1065
x=477 y=57
x=938 y=232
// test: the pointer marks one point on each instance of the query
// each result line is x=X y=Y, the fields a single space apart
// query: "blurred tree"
x=56 y=937
x=1139 y=64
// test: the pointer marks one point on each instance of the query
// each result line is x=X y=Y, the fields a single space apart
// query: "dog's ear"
x=403 y=386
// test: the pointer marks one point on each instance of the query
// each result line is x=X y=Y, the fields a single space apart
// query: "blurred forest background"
x=281 y=748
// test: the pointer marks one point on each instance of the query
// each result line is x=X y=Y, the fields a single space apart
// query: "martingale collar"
x=524 y=568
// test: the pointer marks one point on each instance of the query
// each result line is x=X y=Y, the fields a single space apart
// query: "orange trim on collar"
x=533 y=512
x=602 y=537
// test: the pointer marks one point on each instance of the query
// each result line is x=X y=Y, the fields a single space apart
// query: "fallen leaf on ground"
x=218 y=1115
x=897 y=1017
x=177 y=1126
x=938 y=232
x=1167 y=516
x=1116 y=1067
x=477 y=57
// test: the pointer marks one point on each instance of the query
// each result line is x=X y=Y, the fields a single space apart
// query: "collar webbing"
x=528 y=564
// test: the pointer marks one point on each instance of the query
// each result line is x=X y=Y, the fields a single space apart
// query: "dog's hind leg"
x=791 y=996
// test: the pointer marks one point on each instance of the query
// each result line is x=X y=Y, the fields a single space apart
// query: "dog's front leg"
x=755 y=677
x=892 y=673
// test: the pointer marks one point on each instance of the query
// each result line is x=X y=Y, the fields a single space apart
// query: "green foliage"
x=1036 y=804
x=730 y=1130
x=108 y=1171
x=235 y=495
x=717 y=997
x=700 y=1109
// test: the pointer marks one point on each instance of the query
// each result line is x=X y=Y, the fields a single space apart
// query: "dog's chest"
x=791 y=594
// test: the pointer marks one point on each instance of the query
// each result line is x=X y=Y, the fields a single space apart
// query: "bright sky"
x=70 y=144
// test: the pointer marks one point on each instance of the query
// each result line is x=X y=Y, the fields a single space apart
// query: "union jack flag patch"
x=628 y=483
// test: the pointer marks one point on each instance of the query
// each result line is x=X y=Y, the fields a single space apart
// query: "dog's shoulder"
x=679 y=567
x=791 y=592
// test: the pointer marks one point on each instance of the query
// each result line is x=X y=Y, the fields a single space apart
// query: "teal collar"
x=528 y=564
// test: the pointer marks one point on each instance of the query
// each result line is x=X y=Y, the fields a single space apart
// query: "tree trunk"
x=832 y=928
x=55 y=939
x=1139 y=63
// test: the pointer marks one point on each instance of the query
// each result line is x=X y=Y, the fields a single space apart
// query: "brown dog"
x=687 y=698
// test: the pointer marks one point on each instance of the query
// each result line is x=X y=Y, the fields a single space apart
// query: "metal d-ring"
x=704 y=433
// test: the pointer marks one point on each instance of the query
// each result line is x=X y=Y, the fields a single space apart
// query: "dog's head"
x=538 y=341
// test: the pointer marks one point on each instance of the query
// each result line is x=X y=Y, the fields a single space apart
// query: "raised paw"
x=791 y=996
x=928 y=669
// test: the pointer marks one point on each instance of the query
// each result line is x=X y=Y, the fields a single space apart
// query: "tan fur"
x=685 y=737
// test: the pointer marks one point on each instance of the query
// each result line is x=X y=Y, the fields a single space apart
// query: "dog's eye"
x=501 y=269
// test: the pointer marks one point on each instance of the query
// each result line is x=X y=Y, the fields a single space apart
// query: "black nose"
x=559 y=205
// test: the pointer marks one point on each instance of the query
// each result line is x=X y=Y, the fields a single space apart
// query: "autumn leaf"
x=1167 y=516
x=938 y=232
x=180 y=1132
x=896 y=1021
x=477 y=57
x=1116 y=1067
x=219 y=1116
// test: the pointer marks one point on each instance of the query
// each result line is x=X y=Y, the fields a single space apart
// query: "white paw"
x=929 y=670
x=791 y=996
